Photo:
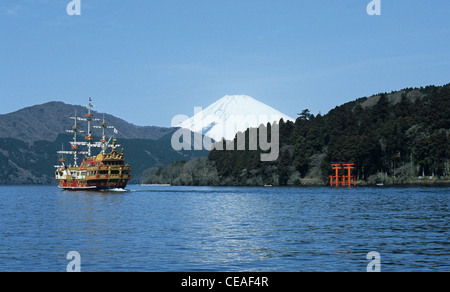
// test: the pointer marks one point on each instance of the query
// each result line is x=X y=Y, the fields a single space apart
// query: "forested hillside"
x=399 y=137
x=23 y=163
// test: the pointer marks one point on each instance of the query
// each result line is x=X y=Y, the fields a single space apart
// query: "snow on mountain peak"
x=232 y=114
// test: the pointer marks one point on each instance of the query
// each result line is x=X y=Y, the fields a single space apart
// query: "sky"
x=147 y=61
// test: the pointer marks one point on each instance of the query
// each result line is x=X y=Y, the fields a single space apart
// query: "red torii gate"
x=343 y=180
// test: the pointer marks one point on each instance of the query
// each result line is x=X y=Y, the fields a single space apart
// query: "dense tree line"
x=197 y=171
x=399 y=135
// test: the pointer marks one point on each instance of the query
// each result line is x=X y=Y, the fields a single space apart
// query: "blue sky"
x=148 y=60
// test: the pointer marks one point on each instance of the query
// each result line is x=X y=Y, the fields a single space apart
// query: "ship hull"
x=93 y=186
x=75 y=187
x=79 y=188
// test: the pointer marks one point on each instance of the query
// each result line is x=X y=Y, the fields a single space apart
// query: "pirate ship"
x=106 y=170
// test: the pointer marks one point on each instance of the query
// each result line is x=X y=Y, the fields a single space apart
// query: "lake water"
x=196 y=229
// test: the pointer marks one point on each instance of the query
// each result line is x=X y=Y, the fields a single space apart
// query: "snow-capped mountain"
x=232 y=114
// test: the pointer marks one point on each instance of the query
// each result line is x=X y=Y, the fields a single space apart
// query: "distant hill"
x=395 y=97
x=48 y=120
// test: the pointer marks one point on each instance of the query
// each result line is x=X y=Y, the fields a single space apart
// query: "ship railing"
x=107 y=167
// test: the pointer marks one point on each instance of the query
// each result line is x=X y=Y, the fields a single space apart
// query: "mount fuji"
x=232 y=114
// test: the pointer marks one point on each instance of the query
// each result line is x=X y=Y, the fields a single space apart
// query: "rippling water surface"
x=225 y=229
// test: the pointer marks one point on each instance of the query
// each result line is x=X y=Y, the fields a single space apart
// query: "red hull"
x=105 y=185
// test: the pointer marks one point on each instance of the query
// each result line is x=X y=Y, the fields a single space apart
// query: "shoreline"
x=424 y=182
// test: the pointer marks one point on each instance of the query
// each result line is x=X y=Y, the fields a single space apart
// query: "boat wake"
x=116 y=190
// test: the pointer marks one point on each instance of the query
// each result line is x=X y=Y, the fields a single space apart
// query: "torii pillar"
x=334 y=180
x=348 y=180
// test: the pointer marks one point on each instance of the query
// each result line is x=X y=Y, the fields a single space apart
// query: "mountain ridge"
x=45 y=121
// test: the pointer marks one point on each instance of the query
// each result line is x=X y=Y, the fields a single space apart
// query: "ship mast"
x=103 y=126
x=75 y=130
x=75 y=149
x=89 y=118
x=62 y=159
